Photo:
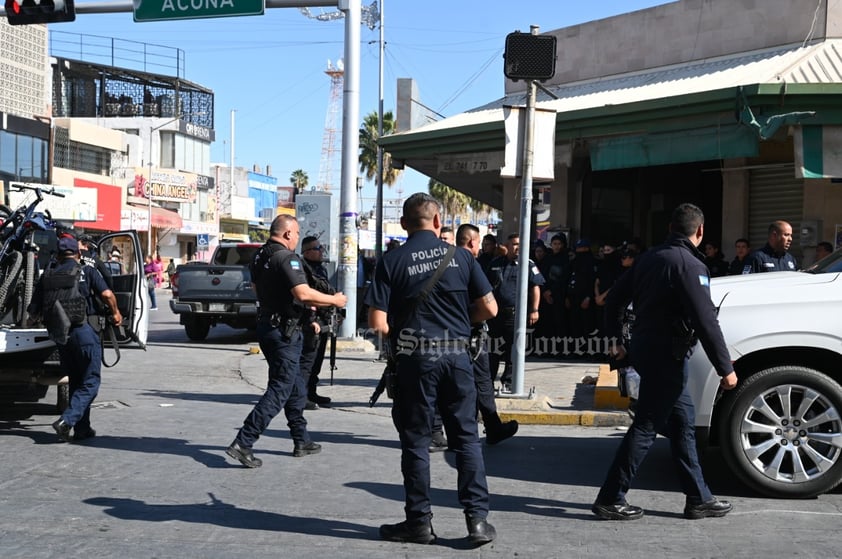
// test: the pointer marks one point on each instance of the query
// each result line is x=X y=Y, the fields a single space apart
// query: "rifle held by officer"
x=336 y=317
x=388 y=380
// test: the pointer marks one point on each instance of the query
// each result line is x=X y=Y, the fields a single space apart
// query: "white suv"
x=780 y=430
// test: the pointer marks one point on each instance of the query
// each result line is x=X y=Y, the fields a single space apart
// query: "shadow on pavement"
x=245 y=399
x=231 y=516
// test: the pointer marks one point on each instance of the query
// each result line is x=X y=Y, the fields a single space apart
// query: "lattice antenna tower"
x=333 y=130
x=370 y=16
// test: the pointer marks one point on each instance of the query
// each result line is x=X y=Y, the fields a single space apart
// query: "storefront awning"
x=165 y=219
x=161 y=217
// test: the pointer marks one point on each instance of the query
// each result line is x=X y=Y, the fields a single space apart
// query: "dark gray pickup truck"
x=219 y=292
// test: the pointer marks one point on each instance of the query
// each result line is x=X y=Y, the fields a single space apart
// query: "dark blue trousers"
x=485 y=392
x=285 y=390
x=312 y=358
x=485 y=387
x=502 y=336
x=664 y=407
x=81 y=361
x=422 y=381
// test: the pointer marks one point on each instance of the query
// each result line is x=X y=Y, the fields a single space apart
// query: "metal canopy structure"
x=654 y=109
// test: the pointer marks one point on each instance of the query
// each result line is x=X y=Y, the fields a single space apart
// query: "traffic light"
x=25 y=12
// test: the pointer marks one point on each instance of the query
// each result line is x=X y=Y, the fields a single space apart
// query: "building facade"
x=705 y=101
x=24 y=104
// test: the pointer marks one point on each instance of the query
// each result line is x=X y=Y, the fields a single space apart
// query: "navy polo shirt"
x=503 y=273
x=767 y=260
x=402 y=273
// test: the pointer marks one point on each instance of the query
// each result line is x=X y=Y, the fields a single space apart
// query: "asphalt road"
x=155 y=482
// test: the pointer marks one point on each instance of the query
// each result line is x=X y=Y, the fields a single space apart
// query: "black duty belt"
x=267 y=317
x=434 y=346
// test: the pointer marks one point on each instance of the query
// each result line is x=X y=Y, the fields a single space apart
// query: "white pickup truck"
x=780 y=430
x=29 y=360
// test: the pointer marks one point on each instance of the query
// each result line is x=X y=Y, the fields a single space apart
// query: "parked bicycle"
x=18 y=253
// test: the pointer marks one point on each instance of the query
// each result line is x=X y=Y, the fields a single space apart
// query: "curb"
x=568 y=417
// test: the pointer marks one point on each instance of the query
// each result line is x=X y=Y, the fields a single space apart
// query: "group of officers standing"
x=430 y=301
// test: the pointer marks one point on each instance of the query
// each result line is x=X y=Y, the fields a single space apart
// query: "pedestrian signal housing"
x=28 y=12
x=529 y=57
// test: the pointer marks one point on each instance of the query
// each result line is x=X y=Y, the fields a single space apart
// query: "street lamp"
x=149 y=179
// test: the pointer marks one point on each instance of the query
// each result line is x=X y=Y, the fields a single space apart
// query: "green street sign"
x=164 y=10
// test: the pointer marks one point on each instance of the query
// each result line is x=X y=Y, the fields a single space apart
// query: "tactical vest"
x=63 y=303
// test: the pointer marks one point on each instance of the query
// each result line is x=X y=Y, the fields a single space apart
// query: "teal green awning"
x=818 y=152
x=673 y=147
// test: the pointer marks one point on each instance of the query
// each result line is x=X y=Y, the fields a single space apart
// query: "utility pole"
x=349 y=234
x=378 y=235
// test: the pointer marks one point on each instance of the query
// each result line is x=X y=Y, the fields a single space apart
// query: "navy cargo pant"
x=485 y=391
x=81 y=360
x=422 y=380
x=502 y=333
x=312 y=358
x=485 y=387
x=664 y=407
x=285 y=390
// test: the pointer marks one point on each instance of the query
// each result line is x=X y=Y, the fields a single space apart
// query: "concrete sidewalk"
x=557 y=393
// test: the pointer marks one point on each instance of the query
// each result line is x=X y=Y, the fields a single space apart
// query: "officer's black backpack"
x=63 y=303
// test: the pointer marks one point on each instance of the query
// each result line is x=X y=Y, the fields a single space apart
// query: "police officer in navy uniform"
x=282 y=292
x=88 y=249
x=503 y=273
x=669 y=287
x=81 y=356
x=433 y=365
x=467 y=237
x=774 y=256
x=315 y=333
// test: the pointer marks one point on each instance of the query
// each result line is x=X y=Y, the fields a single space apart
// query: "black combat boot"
x=416 y=531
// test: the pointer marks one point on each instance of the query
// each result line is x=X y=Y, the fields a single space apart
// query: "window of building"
x=167 y=156
x=76 y=156
x=184 y=153
x=23 y=158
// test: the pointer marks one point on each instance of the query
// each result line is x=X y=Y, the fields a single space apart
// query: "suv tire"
x=781 y=432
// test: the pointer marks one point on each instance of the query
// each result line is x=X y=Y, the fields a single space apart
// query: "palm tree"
x=480 y=210
x=300 y=179
x=452 y=201
x=368 y=148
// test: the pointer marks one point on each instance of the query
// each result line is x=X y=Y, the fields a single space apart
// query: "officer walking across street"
x=282 y=293
x=467 y=237
x=774 y=256
x=80 y=350
x=669 y=287
x=432 y=364
x=503 y=273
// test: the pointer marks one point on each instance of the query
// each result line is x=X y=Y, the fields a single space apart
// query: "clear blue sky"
x=270 y=68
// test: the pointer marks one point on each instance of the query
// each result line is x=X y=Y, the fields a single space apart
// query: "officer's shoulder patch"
x=704 y=280
x=535 y=270
x=294 y=263
x=791 y=265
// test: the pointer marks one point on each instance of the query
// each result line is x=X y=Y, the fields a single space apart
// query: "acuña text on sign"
x=155 y=10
